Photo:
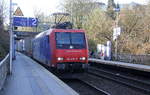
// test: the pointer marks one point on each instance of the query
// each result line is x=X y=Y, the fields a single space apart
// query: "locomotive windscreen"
x=70 y=40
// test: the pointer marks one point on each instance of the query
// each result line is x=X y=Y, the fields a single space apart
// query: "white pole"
x=11 y=37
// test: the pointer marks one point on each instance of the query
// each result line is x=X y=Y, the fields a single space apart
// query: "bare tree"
x=136 y=34
x=79 y=9
x=135 y=23
x=44 y=21
x=99 y=27
x=110 y=9
x=4 y=37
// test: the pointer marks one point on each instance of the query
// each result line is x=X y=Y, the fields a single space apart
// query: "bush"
x=4 y=43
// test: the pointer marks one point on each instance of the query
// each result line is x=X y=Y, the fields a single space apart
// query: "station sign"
x=25 y=22
x=25 y=29
x=116 y=32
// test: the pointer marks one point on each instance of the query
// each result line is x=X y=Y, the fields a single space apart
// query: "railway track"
x=125 y=80
x=98 y=89
x=88 y=86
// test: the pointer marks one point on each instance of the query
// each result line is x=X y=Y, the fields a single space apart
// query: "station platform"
x=30 y=78
x=139 y=67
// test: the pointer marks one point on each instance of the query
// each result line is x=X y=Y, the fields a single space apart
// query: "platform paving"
x=30 y=78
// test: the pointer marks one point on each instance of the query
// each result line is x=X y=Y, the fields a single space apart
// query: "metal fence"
x=4 y=69
x=139 y=59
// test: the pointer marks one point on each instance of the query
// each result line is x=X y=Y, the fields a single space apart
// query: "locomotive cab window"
x=78 y=40
x=62 y=38
x=65 y=40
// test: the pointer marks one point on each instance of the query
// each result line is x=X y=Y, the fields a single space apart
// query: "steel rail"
x=93 y=86
x=110 y=76
x=122 y=76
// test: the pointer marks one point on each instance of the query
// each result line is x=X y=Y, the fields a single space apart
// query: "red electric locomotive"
x=61 y=48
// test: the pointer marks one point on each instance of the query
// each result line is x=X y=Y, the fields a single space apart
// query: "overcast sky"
x=50 y=6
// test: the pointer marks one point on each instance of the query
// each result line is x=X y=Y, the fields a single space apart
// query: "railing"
x=4 y=69
x=130 y=58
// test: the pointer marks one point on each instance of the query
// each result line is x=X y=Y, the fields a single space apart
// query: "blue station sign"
x=25 y=22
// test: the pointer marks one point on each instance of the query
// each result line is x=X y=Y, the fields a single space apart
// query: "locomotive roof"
x=48 y=32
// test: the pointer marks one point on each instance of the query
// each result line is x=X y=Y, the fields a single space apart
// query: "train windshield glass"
x=63 y=38
x=70 y=40
x=78 y=40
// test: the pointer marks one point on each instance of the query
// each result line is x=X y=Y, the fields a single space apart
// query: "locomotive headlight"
x=82 y=58
x=60 y=58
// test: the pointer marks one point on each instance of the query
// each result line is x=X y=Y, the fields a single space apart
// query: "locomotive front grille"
x=71 y=65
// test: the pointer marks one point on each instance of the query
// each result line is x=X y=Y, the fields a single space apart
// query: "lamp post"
x=11 y=34
x=118 y=30
x=116 y=44
x=11 y=37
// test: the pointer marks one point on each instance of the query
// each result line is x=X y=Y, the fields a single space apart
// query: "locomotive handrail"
x=4 y=68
